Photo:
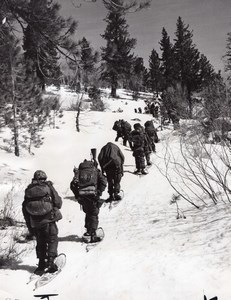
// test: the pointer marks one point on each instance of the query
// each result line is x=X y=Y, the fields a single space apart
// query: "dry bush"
x=197 y=171
x=11 y=229
x=10 y=250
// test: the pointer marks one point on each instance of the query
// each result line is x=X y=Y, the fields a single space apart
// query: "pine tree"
x=136 y=79
x=155 y=76
x=193 y=69
x=18 y=91
x=187 y=60
x=206 y=73
x=22 y=106
x=117 y=57
x=167 y=61
x=45 y=35
x=227 y=56
x=88 y=60
x=216 y=99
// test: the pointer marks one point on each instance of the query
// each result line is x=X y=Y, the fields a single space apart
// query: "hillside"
x=147 y=252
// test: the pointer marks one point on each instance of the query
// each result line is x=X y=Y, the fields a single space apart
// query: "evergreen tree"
x=136 y=80
x=187 y=61
x=155 y=76
x=167 y=61
x=18 y=90
x=88 y=60
x=206 y=73
x=117 y=57
x=23 y=109
x=216 y=99
x=45 y=35
x=193 y=69
x=228 y=55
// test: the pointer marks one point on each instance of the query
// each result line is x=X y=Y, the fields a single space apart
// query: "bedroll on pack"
x=87 y=179
x=38 y=200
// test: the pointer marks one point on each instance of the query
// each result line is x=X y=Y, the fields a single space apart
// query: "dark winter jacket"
x=102 y=183
x=151 y=131
x=140 y=142
x=111 y=156
x=53 y=216
x=117 y=127
x=126 y=127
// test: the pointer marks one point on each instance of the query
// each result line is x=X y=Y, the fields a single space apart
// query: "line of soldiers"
x=141 y=141
x=42 y=203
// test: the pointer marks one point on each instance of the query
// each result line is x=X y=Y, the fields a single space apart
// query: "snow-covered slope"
x=147 y=253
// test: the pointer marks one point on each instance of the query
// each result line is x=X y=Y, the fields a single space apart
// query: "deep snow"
x=147 y=253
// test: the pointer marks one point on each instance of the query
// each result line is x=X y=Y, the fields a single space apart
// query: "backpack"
x=38 y=201
x=138 y=140
x=85 y=180
x=116 y=126
x=127 y=127
x=110 y=156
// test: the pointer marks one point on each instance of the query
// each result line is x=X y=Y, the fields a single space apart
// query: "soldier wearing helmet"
x=41 y=212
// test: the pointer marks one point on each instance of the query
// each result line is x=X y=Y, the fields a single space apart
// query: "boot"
x=41 y=267
x=117 y=197
x=137 y=172
x=149 y=163
x=30 y=237
x=110 y=199
x=144 y=172
x=87 y=236
x=52 y=267
x=94 y=237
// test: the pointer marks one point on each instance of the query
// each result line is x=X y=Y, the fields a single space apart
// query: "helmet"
x=40 y=175
x=148 y=123
x=137 y=126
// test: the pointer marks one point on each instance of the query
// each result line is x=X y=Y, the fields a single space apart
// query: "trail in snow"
x=147 y=253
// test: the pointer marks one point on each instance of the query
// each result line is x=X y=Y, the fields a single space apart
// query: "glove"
x=99 y=193
x=100 y=203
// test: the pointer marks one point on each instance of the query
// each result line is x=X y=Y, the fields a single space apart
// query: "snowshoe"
x=96 y=240
x=117 y=197
x=45 y=278
x=86 y=237
x=137 y=172
x=144 y=172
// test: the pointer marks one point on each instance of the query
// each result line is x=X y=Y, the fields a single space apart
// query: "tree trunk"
x=15 y=121
x=77 y=117
x=16 y=146
x=190 y=108
x=114 y=86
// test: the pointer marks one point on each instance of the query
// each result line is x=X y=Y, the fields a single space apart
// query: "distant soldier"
x=151 y=134
x=117 y=127
x=138 y=143
x=111 y=160
x=126 y=130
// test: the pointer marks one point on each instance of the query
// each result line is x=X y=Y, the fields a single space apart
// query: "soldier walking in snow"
x=151 y=134
x=139 y=142
x=41 y=212
x=147 y=147
x=111 y=160
x=118 y=129
x=88 y=185
x=126 y=130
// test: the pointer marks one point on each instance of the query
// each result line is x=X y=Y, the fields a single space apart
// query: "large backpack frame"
x=85 y=180
x=38 y=201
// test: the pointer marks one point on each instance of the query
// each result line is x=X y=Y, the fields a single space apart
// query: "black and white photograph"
x=115 y=149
